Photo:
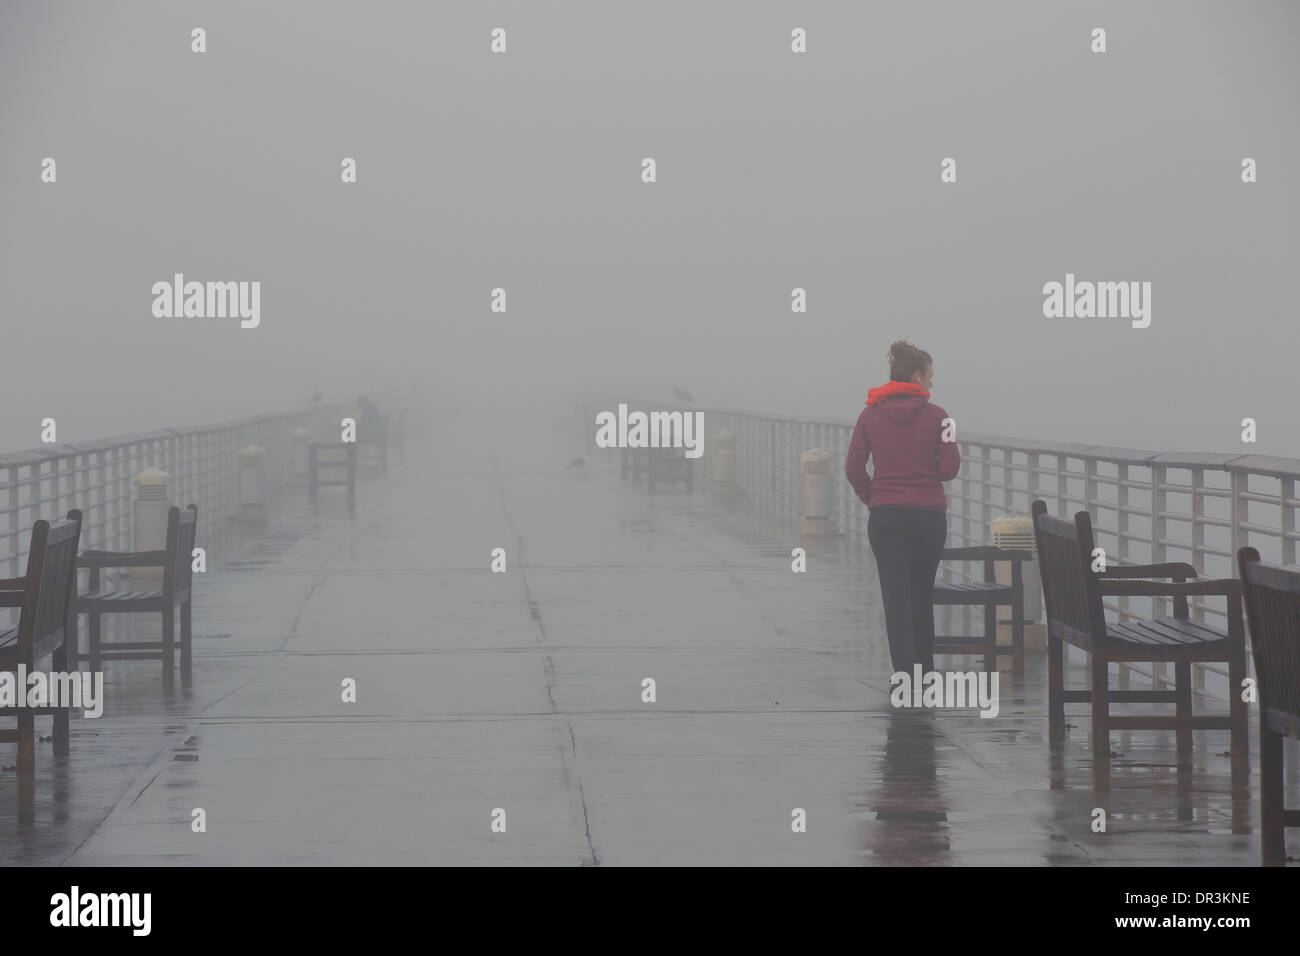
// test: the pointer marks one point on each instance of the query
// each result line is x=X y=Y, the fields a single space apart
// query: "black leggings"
x=907 y=543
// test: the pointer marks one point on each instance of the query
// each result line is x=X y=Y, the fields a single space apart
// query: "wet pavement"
x=522 y=692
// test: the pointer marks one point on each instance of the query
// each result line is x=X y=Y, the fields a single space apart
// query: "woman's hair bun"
x=905 y=360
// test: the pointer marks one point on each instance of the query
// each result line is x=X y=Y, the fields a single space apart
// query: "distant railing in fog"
x=97 y=476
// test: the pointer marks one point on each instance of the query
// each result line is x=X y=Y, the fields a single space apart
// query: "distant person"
x=370 y=424
x=907 y=527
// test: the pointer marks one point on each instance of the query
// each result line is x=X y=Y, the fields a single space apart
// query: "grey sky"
x=775 y=171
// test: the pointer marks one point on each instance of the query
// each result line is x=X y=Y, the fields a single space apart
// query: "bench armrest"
x=122 y=559
x=1212 y=586
x=1174 y=569
x=986 y=553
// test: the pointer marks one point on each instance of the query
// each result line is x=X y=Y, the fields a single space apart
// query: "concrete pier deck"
x=522 y=691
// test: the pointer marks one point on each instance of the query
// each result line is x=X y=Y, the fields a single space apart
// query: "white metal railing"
x=1146 y=506
x=97 y=477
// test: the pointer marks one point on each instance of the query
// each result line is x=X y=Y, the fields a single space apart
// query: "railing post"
x=1239 y=510
x=1287 y=500
x=1062 y=487
x=1159 y=526
x=11 y=479
x=1159 y=670
x=1123 y=534
x=771 y=461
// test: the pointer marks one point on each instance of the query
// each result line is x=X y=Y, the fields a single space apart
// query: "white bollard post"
x=152 y=502
x=816 y=518
x=1017 y=531
x=252 y=485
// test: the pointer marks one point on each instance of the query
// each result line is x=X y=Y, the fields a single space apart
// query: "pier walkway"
x=522 y=691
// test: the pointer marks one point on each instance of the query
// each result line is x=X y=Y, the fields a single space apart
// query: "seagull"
x=578 y=462
x=684 y=395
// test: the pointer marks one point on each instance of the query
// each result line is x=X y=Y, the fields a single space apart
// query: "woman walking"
x=907 y=527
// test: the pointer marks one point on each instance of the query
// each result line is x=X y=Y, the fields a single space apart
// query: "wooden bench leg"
x=71 y=639
x=1018 y=635
x=1240 y=745
x=1055 y=690
x=1272 y=835
x=1100 y=705
x=991 y=637
x=92 y=618
x=1183 y=708
x=169 y=639
x=61 y=729
x=26 y=740
x=187 y=653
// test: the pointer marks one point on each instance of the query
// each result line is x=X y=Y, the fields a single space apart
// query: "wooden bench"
x=669 y=465
x=175 y=561
x=1272 y=598
x=45 y=595
x=988 y=594
x=332 y=455
x=1073 y=594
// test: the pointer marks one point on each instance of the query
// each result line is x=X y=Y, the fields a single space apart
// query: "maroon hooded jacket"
x=901 y=429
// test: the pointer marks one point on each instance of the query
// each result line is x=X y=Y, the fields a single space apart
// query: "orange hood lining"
x=890 y=389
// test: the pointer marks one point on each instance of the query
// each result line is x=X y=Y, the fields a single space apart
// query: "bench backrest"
x=1074 y=609
x=1272 y=598
x=181 y=526
x=51 y=580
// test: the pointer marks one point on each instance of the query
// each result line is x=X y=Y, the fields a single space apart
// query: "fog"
x=774 y=171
